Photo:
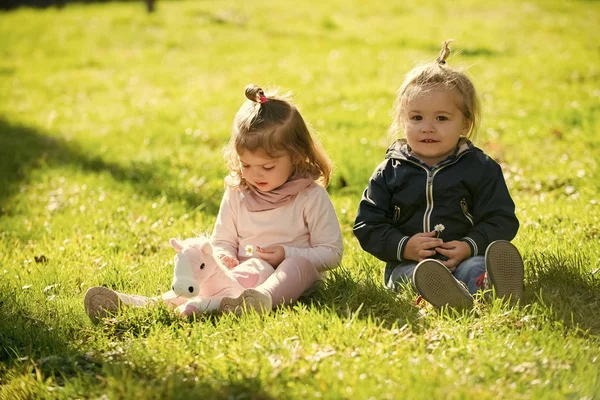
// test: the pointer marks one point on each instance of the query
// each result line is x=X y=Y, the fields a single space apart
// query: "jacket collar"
x=400 y=150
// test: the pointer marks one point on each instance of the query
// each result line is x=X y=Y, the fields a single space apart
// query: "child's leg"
x=470 y=271
x=292 y=278
x=100 y=301
x=401 y=273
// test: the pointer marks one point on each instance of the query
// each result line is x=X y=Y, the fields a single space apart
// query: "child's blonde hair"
x=272 y=124
x=435 y=76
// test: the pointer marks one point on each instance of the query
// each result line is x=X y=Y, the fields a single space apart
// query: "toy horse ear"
x=176 y=244
x=207 y=248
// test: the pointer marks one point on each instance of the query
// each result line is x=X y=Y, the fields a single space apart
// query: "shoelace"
x=480 y=280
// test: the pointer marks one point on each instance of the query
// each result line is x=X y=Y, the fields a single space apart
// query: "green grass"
x=112 y=123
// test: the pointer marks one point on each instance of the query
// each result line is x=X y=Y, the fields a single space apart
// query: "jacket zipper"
x=465 y=210
x=396 y=214
x=429 y=190
x=429 y=199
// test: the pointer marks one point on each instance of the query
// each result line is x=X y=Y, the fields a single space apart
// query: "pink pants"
x=291 y=278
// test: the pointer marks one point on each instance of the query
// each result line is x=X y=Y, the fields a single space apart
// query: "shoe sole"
x=505 y=270
x=249 y=299
x=438 y=286
x=100 y=302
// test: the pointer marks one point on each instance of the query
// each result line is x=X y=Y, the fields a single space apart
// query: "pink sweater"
x=306 y=227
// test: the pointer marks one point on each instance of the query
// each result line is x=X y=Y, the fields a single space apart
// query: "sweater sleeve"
x=374 y=227
x=326 y=246
x=493 y=212
x=225 y=233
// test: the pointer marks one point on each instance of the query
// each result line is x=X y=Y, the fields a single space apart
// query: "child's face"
x=433 y=125
x=264 y=172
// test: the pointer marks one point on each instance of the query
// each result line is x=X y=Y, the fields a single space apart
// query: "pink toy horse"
x=202 y=277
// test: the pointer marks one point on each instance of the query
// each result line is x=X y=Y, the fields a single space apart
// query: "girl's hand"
x=456 y=251
x=229 y=261
x=274 y=255
x=421 y=246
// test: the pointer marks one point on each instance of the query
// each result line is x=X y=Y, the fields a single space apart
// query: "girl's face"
x=264 y=172
x=433 y=125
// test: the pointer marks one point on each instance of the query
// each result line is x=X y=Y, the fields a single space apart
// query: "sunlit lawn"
x=112 y=123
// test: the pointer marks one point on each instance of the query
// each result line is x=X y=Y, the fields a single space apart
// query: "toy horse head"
x=197 y=272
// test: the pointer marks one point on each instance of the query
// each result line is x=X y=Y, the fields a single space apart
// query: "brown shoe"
x=100 y=302
x=504 y=270
x=439 y=287
x=249 y=299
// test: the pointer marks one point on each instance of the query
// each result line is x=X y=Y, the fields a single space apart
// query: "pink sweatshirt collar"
x=257 y=200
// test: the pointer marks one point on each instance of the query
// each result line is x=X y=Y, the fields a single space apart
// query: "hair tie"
x=263 y=99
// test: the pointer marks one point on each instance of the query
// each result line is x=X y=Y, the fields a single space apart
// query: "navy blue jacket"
x=466 y=193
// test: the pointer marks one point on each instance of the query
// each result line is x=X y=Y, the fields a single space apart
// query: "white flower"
x=249 y=250
x=439 y=228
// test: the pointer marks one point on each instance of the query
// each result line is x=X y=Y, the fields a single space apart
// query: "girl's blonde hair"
x=272 y=124
x=435 y=76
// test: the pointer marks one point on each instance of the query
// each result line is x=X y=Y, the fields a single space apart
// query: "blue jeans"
x=467 y=272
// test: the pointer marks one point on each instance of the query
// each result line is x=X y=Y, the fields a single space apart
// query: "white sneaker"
x=100 y=302
x=249 y=299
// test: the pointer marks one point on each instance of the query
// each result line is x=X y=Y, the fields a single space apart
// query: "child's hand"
x=421 y=246
x=456 y=251
x=274 y=255
x=229 y=261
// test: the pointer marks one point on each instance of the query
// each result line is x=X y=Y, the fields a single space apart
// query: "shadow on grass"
x=33 y=350
x=567 y=287
x=152 y=381
x=30 y=343
x=348 y=296
x=562 y=285
x=13 y=4
x=25 y=149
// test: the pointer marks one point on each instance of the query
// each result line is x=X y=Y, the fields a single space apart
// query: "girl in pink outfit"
x=275 y=210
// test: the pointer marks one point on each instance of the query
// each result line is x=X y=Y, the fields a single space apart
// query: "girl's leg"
x=100 y=301
x=292 y=278
x=399 y=274
x=470 y=272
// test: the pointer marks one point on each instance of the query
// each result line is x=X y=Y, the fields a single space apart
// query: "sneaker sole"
x=438 y=286
x=249 y=299
x=505 y=270
x=100 y=302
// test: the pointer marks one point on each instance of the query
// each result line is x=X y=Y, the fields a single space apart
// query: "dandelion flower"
x=249 y=250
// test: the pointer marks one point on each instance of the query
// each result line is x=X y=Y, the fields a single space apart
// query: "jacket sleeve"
x=326 y=246
x=374 y=227
x=225 y=234
x=493 y=211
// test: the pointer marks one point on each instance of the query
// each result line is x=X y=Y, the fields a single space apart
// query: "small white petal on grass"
x=50 y=287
